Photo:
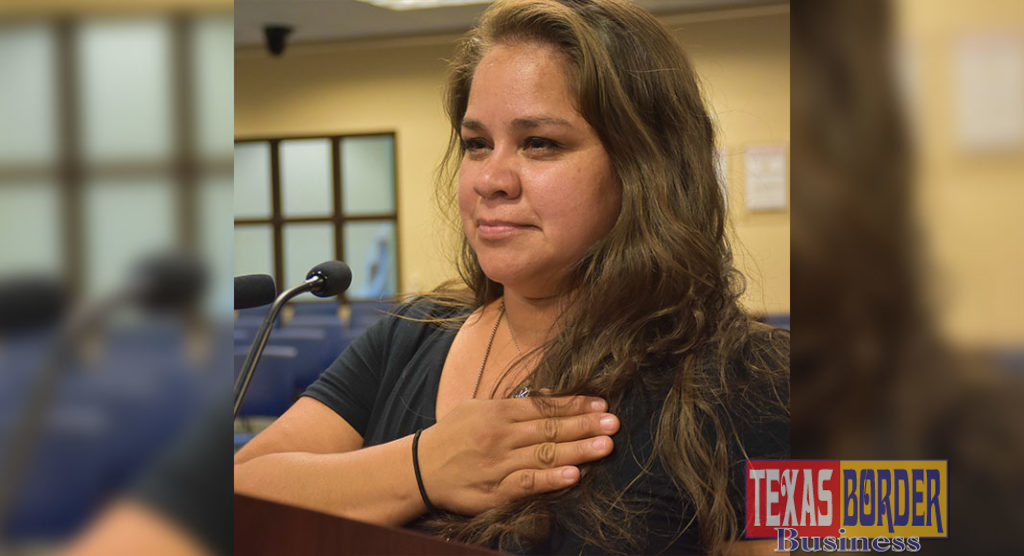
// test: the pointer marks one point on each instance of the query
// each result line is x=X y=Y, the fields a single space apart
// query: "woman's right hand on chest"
x=487 y=452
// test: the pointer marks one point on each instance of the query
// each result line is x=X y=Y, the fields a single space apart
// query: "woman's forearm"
x=375 y=484
x=482 y=454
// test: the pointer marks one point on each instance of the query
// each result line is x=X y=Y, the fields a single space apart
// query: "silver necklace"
x=487 y=352
x=523 y=390
x=512 y=333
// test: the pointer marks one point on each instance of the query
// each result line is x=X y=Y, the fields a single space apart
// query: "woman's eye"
x=539 y=143
x=473 y=144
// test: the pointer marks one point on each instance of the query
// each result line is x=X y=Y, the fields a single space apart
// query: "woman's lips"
x=498 y=229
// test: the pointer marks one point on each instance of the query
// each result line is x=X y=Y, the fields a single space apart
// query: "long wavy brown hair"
x=654 y=303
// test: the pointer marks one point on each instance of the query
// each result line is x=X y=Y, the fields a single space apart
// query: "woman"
x=593 y=385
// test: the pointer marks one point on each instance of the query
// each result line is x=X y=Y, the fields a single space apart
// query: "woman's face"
x=536 y=186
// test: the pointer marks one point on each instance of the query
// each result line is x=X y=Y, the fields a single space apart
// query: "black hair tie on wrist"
x=416 y=467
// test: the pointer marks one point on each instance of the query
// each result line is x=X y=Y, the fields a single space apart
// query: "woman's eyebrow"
x=522 y=123
x=473 y=125
x=538 y=121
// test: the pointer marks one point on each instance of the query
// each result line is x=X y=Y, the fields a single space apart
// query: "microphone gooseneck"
x=328 y=278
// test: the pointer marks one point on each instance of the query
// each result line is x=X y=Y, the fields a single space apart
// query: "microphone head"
x=30 y=302
x=335 y=277
x=254 y=290
x=170 y=280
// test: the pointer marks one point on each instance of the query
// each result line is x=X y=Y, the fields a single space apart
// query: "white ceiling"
x=325 y=20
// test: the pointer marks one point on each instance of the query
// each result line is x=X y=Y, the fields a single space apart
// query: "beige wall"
x=743 y=57
x=743 y=60
x=361 y=88
x=970 y=200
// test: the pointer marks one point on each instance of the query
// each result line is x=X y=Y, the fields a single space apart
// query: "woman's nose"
x=499 y=177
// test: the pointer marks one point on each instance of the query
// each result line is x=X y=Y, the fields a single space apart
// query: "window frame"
x=71 y=170
x=337 y=217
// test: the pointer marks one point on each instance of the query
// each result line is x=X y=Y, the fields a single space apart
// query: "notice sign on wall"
x=766 y=177
x=989 y=91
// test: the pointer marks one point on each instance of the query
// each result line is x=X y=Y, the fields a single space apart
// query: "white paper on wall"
x=989 y=74
x=766 y=177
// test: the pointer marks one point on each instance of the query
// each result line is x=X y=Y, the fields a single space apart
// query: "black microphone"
x=29 y=302
x=323 y=280
x=167 y=281
x=254 y=290
x=335 y=277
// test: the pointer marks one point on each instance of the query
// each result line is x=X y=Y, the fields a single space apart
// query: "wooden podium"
x=264 y=528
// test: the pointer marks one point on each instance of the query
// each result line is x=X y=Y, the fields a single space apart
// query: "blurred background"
x=115 y=254
x=908 y=265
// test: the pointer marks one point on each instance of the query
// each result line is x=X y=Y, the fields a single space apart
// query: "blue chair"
x=1011 y=359
x=244 y=335
x=253 y=317
x=778 y=320
x=321 y=308
x=271 y=389
x=241 y=438
x=64 y=481
x=315 y=351
x=109 y=420
x=330 y=325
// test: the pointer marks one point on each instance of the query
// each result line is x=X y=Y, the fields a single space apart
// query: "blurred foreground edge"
x=874 y=376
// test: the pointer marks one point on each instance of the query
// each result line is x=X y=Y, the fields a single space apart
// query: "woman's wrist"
x=427 y=503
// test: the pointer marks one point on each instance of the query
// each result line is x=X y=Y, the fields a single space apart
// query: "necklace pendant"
x=521 y=392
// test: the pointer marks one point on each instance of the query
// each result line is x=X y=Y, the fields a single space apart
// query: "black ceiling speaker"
x=276 y=35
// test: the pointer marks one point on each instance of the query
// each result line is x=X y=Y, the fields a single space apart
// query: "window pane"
x=305 y=246
x=254 y=250
x=370 y=252
x=215 y=237
x=126 y=89
x=252 y=180
x=213 y=60
x=30 y=232
x=306 y=177
x=368 y=174
x=28 y=103
x=125 y=220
